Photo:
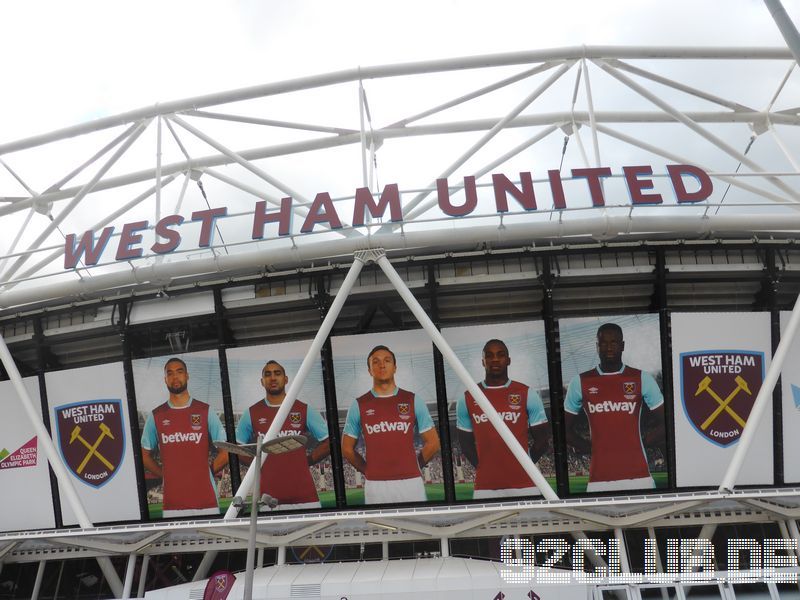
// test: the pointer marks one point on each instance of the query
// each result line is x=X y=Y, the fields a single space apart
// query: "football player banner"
x=790 y=394
x=24 y=478
x=390 y=436
x=509 y=362
x=719 y=361
x=180 y=412
x=260 y=376
x=613 y=403
x=91 y=429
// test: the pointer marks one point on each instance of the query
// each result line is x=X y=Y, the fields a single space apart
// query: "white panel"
x=170 y=307
x=790 y=384
x=82 y=402
x=24 y=478
x=709 y=352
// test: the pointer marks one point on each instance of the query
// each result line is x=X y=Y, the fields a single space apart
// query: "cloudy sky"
x=68 y=62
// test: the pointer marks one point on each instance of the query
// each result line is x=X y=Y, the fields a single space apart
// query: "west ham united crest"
x=219 y=585
x=295 y=419
x=92 y=439
x=404 y=410
x=718 y=388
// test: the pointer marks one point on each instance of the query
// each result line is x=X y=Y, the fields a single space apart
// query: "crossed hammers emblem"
x=104 y=433
x=724 y=404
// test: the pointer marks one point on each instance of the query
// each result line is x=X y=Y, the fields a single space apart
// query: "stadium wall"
x=685 y=310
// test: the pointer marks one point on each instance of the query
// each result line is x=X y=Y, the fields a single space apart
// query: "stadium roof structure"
x=731 y=112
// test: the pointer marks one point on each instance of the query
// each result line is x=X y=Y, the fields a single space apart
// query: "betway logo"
x=609 y=406
x=288 y=432
x=386 y=426
x=180 y=437
x=506 y=416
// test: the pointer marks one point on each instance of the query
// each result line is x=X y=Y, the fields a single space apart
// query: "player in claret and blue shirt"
x=387 y=417
x=183 y=429
x=498 y=473
x=286 y=477
x=612 y=395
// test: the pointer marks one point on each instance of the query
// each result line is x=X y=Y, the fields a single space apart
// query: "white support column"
x=385 y=550
x=260 y=557
x=793 y=531
x=623 y=550
x=521 y=454
x=364 y=178
x=205 y=565
x=762 y=402
x=281 y=555
x=592 y=120
x=786 y=26
x=651 y=533
x=37 y=584
x=445 y=547
x=597 y=561
x=129 y=569
x=45 y=443
x=143 y=576
x=158 y=168
x=299 y=379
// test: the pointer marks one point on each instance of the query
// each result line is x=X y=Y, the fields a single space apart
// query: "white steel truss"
x=507 y=112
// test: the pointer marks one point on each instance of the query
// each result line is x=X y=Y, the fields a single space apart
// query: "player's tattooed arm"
x=574 y=439
x=350 y=455
x=320 y=452
x=467 y=441
x=150 y=463
x=540 y=434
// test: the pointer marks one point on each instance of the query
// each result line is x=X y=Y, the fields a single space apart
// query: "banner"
x=790 y=393
x=386 y=396
x=24 y=476
x=260 y=376
x=179 y=401
x=91 y=429
x=718 y=364
x=509 y=361
x=613 y=403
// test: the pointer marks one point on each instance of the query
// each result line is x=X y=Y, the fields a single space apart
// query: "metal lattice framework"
x=726 y=110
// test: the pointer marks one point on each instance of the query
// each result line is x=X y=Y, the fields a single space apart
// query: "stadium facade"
x=528 y=197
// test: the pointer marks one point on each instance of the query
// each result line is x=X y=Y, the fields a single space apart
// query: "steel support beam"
x=762 y=401
x=379 y=256
x=296 y=384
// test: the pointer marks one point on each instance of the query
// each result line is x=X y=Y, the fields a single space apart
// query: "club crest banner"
x=91 y=436
x=719 y=361
x=219 y=585
x=718 y=388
